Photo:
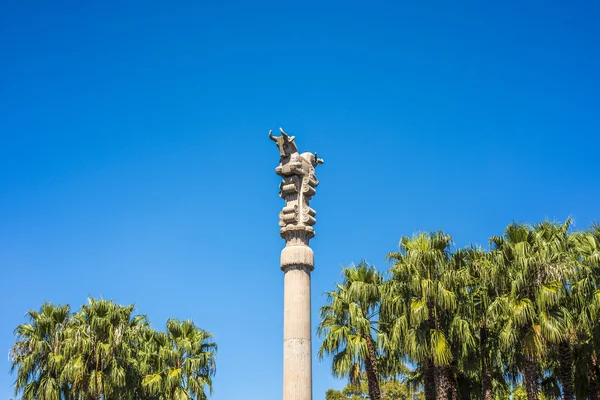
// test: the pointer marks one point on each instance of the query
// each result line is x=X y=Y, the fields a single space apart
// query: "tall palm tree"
x=489 y=281
x=564 y=248
x=106 y=352
x=38 y=355
x=417 y=304
x=348 y=323
x=586 y=299
x=181 y=362
x=101 y=350
x=537 y=267
x=458 y=325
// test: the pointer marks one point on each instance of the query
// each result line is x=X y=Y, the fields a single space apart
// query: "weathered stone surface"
x=297 y=256
x=296 y=220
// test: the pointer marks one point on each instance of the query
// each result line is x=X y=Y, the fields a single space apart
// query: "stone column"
x=297 y=261
x=297 y=356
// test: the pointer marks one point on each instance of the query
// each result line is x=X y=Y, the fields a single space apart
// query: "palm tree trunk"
x=429 y=379
x=372 y=370
x=453 y=387
x=442 y=383
x=594 y=379
x=486 y=376
x=488 y=393
x=566 y=370
x=530 y=377
x=429 y=369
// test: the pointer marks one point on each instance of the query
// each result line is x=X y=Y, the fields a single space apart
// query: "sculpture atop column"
x=298 y=186
x=297 y=261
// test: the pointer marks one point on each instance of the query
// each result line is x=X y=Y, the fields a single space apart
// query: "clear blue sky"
x=135 y=163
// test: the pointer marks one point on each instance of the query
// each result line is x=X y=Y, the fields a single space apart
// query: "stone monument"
x=297 y=261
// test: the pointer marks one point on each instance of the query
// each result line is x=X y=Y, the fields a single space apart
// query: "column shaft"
x=297 y=353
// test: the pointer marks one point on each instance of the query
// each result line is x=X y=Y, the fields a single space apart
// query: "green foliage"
x=390 y=390
x=519 y=393
x=520 y=320
x=104 y=351
x=349 y=325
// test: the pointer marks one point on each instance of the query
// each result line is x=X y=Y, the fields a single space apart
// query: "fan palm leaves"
x=485 y=310
x=348 y=323
x=586 y=306
x=479 y=323
x=106 y=352
x=184 y=362
x=420 y=299
x=537 y=263
x=38 y=357
x=100 y=348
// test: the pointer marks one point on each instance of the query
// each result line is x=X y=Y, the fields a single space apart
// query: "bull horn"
x=318 y=160
x=282 y=132
x=271 y=136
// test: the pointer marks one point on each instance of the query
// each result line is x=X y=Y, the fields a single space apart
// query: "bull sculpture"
x=291 y=162
x=298 y=186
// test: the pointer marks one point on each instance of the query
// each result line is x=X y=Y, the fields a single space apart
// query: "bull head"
x=284 y=142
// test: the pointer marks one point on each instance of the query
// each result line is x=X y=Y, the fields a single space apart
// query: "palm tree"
x=38 y=354
x=106 y=352
x=101 y=350
x=537 y=266
x=348 y=323
x=181 y=362
x=489 y=284
x=417 y=304
x=564 y=246
x=458 y=326
x=586 y=299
